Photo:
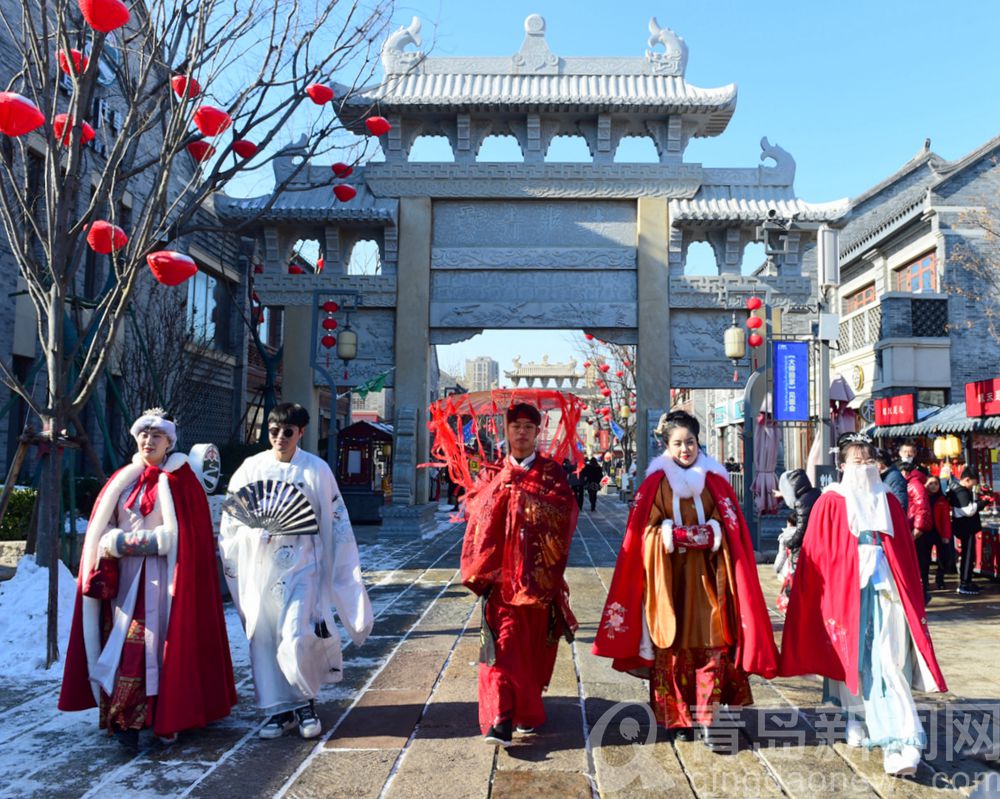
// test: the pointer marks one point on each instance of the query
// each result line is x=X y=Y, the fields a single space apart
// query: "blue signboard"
x=791 y=381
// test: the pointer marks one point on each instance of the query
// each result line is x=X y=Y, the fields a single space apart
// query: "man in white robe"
x=286 y=586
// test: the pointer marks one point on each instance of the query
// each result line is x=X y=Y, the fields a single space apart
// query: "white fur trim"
x=165 y=426
x=716 y=534
x=667 y=535
x=690 y=482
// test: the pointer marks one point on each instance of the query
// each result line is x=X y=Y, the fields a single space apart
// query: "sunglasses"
x=274 y=432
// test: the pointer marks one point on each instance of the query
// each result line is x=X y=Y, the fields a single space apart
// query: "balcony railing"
x=896 y=316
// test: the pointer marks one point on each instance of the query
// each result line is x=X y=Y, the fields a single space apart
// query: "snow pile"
x=23 y=603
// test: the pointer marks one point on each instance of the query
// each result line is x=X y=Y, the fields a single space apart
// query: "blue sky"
x=850 y=89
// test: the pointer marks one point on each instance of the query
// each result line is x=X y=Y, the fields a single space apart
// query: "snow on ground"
x=23 y=608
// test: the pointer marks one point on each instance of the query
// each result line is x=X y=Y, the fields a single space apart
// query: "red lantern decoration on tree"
x=329 y=324
x=320 y=264
x=172 y=268
x=72 y=61
x=319 y=93
x=344 y=192
x=295 y=269
x=342 y=170
x=244 y=148
x=65 y=133
x=200 y=150
x=619 y=374
x=606 y=392
x=754 y=303
x=185 y=86
x=753 y=322
x=18 y=115
x=604 y=367
x=378 y=126
x=330 y=306
x=586 y=364
x=211 y=121
x=626 y=364
x=755 y=339
x=105 y=238
x=328 y=341
x=104 y=15
x=588 y=336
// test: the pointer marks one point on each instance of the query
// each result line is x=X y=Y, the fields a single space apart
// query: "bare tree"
x=619 y=381
x=253 y=59
x=979 y=256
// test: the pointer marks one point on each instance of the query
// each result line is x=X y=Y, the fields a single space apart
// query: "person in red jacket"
x=940 y=536
x=918 y=513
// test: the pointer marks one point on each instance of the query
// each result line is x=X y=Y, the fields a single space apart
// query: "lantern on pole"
x=735 y=343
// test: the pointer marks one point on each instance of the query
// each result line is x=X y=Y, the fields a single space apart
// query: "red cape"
x=196 y=680
x=620 y=631
x=821 y=627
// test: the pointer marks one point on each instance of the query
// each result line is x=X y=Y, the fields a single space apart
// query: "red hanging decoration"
x=258 y=269
x=172 y=268
x=604 y=367
x=18 y=115
x=200 y=150
x=329 y=324
x=319 y=93
x=211 y=121
x=755 y=339
x=72 y=61
x=344 y=192
x=65 y=134
x=588 y=336
x=330 y=306
x=260 y=316
x=626 y=364
x=104 y=15
x=754 y=303
x=244 y=148
x=753 y=322
x=255 y=296
x=105 y=238
x=342 y=170
x=328 y=341
x=320 y=264
x=185 y=86
x=619 y=374
x=378 y=126
x=295 y=269
x=606 y=392
x=586 y=364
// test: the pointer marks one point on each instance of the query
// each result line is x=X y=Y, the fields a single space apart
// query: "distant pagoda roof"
x=536 y=80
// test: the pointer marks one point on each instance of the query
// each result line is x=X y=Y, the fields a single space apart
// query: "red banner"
x=895 y=410
x=982 y=398
x=604 y=439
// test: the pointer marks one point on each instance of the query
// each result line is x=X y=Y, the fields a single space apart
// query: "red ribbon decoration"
x=148 y=480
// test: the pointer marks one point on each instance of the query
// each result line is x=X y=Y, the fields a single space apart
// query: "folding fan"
x=276 y=507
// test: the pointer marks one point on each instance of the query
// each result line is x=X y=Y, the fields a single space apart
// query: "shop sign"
x=720 y=415
x=982 y=398
x=900 y=409
x=791 y=381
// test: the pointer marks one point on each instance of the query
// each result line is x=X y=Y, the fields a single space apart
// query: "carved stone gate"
x=600 y=246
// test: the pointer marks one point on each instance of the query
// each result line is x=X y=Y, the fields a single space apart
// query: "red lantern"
x=65 y=134
x=626 y=364
x=104 y=15
x=619 y=373
x=755 y=339
x=342 y=170
x=588 y=336
x=185 y=86
x=258 y=269
x=754 y=303
x=378 y=126
x=18 y=115
x=345 y=192
x=586 y=364
x=320 y=264
x=295 y=269
x=328 y=341
x=604 y=367
x=244 y=148
x=105 y=238
x=200 y=150
x=211 y=121
x=319 y=93
x=329 y=324
x=606 y=392
x=753 y=322
x=330 y=306
x=72 y=61
x=172 y=268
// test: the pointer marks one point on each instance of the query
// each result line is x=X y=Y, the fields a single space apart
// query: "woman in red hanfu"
x=148 y=642
x=857 y=617
x=521 y=522
x=685 y=609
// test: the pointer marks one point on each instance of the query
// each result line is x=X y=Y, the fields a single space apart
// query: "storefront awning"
x=932 y=421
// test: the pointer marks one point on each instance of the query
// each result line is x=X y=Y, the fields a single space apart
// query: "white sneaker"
x=903 y=763
x=309 y=723
x=855 y=733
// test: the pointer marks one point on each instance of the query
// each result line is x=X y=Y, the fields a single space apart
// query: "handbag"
x=102 y=581
x=695 y=536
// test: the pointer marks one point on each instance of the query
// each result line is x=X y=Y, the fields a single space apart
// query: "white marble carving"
x=673 y=59
x=533 y=258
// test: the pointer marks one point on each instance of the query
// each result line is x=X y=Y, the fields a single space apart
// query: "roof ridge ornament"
x=673 y=59
x=394 y=59
x=783 y=171
x=535 y=55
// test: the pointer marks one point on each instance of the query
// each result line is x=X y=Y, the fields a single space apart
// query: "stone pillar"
x=653 y=350
x=297 y=382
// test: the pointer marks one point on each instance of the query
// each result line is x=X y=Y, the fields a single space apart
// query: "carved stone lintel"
x=730 y=292
x=451 y=336
x=533 y=258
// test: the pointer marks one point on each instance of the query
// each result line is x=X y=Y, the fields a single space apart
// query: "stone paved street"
x=403 y=724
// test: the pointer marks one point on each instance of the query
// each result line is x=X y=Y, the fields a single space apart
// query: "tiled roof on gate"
x=751 y=203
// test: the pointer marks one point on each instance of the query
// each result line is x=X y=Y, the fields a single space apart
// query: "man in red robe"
x=148 y=640
x=521 y=522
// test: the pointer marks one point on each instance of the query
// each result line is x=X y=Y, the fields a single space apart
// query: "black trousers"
x=592 y=494
x=924 y=544
x=968 y=541
x=578 y=493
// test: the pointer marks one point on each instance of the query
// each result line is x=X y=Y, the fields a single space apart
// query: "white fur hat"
x=154 y=419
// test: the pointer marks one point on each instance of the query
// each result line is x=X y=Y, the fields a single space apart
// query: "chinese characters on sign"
x=895 y=410
x=982 y=398
x=791 y=381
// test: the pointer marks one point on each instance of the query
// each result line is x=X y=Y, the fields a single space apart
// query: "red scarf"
x=148 y=479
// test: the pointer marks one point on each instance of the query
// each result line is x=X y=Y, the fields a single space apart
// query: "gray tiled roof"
x=317 y=203
x=752 y=203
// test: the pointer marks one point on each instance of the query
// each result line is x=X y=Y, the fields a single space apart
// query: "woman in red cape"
x=685 y=609
x=148 y=641
x=858 y=561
